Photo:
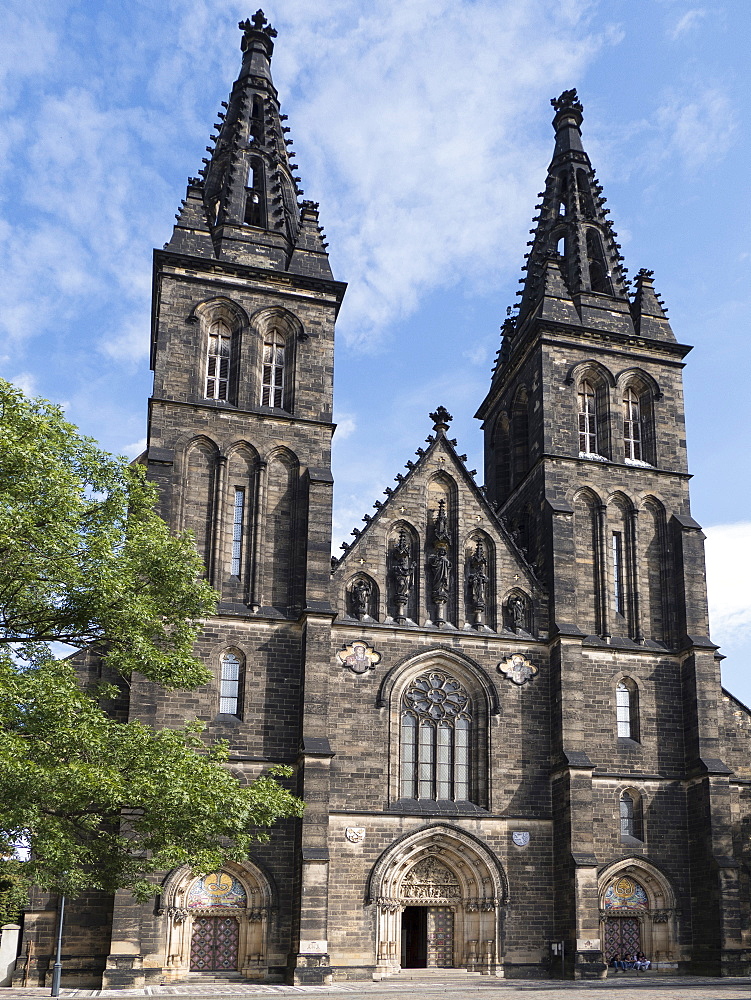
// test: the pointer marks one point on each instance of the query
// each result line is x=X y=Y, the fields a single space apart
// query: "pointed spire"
x=249 y=188
x=573 y=221
x=650 y=318
x=309 y=255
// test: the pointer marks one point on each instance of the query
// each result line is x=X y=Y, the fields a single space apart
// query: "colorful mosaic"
x=625 y=893
x=216 y=889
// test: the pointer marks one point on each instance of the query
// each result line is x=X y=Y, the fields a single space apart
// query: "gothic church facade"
x=501 y=703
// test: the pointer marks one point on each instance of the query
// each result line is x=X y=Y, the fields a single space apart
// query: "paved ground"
x=624 y=988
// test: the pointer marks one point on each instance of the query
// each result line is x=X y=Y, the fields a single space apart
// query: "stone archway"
x=217 y=922
x=439 y=895
x=637 y=912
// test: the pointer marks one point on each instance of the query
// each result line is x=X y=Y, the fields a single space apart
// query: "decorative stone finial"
x=568 y=101
x=441 y=419
x=257 y=23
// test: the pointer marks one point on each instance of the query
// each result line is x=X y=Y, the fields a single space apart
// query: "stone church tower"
x=502 y=703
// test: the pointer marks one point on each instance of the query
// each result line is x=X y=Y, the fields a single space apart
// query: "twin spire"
x=574 y=270
x=246 y=206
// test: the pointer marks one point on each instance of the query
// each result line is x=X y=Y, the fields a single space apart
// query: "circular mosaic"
x=436 y=696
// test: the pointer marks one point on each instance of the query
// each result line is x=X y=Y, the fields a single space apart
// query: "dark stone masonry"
x=502 y=703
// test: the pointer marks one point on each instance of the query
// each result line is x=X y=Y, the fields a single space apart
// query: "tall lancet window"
x=587 y=420
x=218 y=361
x=272 y=392
x=229 y=684
x=436 y=722
x=238 y=517
x=632 y=425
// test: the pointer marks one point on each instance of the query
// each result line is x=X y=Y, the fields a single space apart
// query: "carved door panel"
x=440 y=937
x=214 y=944
x=622 y=937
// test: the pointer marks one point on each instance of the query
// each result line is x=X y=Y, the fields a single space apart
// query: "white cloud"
x=686 y=23
x=414 y=137
x=135 y=449
x=728 y=556
x=26 y=382
x=697 y=131
x=346 y=425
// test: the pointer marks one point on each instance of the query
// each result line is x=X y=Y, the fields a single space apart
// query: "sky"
x=422 y=127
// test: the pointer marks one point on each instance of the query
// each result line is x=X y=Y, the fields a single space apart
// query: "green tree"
x=86 y=560
x=84 y=557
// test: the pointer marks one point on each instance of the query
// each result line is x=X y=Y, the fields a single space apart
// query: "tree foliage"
x=84 y=557
x=106 y=803
x=86 y=560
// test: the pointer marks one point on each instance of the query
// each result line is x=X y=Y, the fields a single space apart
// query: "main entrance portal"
x=427 y=937
x=440 y=895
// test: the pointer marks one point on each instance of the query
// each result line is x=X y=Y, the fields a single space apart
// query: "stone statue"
x=478 y=578
x=517 y=610
x=440 y=566
x=402 y=569
x=361 y=592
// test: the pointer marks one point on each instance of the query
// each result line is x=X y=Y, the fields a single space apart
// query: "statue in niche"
x=477 y=581
x=517 y=612
x=440 y=563
x=361 y=591
x=402 y=569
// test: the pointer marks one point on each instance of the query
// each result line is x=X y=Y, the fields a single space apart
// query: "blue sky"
x=423 y=129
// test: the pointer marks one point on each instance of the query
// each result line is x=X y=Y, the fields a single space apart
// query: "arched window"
x=274 y=363
x=631 y=817
x=238 y=526
x=588 y=443
x=229 y=684
x=436 y=720
x=627 y=710
x=632 y=425
x=218 y=361
x=255 y=196
x=599 y=279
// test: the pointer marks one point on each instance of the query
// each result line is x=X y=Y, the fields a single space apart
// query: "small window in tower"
x=627 y=815
x=255 y=196
x=273 y=372
x=632 y=425
x=599 y=279
x=587 y=420
x=238 y=518
x=632 y=826
x=561 y=247
x=619 y=596
x=218 y=361
x=229 y=685
x=627 y=710
x=256 y=119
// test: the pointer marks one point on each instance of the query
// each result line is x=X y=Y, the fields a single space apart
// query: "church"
x=502 y=704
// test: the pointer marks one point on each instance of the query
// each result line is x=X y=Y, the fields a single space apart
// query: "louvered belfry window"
x=218 y=361
x=435 y=745
x=273 y=372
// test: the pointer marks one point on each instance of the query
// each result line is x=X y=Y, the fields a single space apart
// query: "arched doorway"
x=217 y=923
x=637 y=913
x=439 y=895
